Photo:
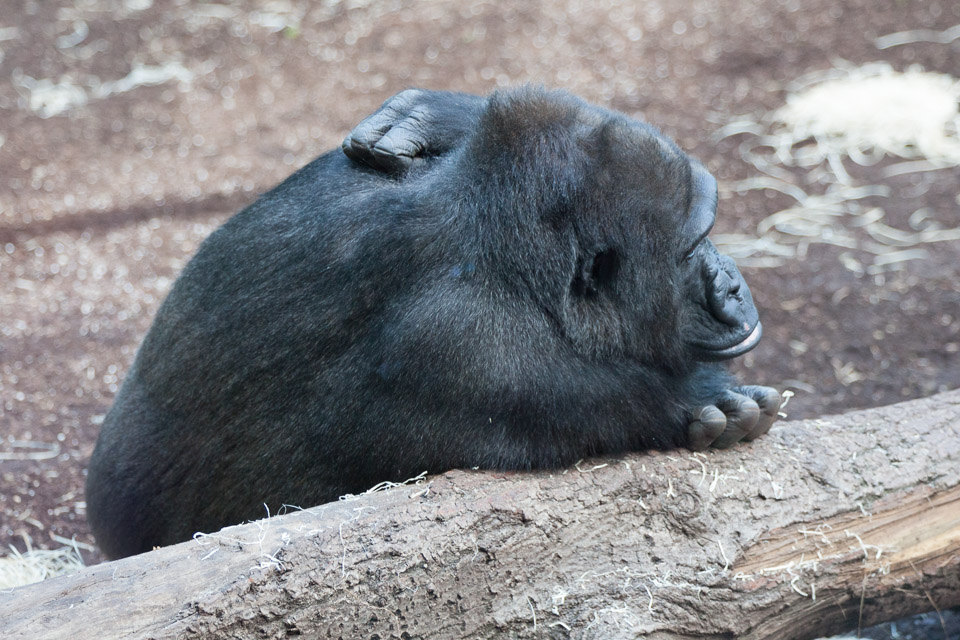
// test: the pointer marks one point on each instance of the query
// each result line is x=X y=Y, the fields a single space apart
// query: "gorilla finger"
x=399 y=110
x=742 y=414
x=767 y=398
x=762 y=427
x=405 y=101
x=397 y=148
x=358 y=145
x=358 y=151
x=706 y=426
x=769 y=401
x=350 y=150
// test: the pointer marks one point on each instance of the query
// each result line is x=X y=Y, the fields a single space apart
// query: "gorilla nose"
x=724 y=297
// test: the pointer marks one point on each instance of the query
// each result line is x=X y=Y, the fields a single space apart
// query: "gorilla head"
x=509 y=282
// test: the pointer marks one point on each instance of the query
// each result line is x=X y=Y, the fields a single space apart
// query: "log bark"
x=822 y=526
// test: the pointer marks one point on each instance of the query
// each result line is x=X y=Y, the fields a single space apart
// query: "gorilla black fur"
x=521 y=296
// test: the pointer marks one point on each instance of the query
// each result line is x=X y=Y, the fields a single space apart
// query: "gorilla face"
x=621 y=217
x=511 y=282
x=723 y=322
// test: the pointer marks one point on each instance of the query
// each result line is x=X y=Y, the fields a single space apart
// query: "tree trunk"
x=820 y=527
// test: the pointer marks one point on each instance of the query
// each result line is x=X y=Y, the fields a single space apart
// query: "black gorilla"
x=511 y=282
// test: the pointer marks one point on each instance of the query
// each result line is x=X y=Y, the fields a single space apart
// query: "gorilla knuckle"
x=406 y=99
x=771 y=400
x=747 y=412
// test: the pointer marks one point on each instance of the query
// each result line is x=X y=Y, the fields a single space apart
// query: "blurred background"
x=130 y=129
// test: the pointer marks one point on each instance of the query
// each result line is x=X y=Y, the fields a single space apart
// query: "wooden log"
x=819 y=527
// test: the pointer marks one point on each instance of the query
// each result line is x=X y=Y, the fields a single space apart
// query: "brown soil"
x=101 y=205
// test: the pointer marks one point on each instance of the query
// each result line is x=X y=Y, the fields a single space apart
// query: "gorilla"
x=507 y=282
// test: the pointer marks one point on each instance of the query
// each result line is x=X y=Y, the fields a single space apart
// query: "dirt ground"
x=129 y=129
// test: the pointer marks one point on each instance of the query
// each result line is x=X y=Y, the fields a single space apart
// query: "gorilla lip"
x=738 y=349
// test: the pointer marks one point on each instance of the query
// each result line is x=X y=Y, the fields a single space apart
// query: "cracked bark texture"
x=822 y=526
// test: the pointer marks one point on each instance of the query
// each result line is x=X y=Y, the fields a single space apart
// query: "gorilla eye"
x=596 y=273
x=692 y=251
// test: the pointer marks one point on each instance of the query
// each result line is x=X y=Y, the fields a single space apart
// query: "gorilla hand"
x=413 y=124
x=740 y=414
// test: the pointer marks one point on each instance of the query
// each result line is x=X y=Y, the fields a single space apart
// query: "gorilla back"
x=514 y=282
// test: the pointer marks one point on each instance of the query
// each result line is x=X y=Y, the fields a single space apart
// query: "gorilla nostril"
x=724 y=299
x=725 y=292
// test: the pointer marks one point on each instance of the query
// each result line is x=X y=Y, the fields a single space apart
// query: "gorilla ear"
x=596 y=273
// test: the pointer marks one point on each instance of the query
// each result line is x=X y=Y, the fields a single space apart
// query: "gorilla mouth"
x=725 y=353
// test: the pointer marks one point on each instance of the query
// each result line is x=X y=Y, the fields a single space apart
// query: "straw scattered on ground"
x=847 y=114
x=35 y=565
